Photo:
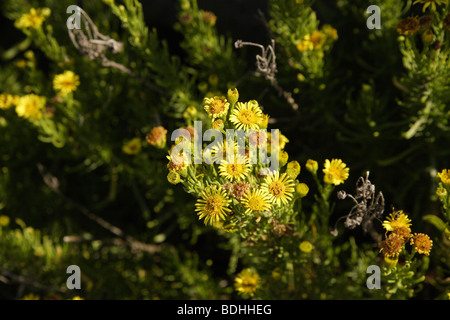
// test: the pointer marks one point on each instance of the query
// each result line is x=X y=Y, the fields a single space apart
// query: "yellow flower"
x=392 y=246
x=77 y=298
x=279 y=188
x=132 y=147
x=397 y=219
x=432 y=3
x=33 y=19
x=30 y=106
x=246 y=115
x=66 y=82
x=236 y=170
x=317 y=39
x=8 y=100
x=264 y=122
x=336 y=171
x=306 y=247
x=4 y=221
x=213 y=205
x=246 y=282
x=157 y=137
x=445 y=177
x=216 y=107
x=177 y=162
x=422 y=243
x=305 y=44
x=256 y=200
x=330 y=31
x=312 y=166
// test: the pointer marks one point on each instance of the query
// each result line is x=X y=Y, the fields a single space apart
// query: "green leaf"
x=436 y=221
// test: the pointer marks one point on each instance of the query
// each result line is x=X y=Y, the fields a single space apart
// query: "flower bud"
x=302 y=190
x=232 y=96
x=312 y=166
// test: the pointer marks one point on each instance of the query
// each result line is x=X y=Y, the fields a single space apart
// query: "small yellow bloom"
x=317 y=39
x=8 y=100
x=132 y=147
x=306 y=247
x=34 y=19
x=330 y=31
x=66 y=82
x=213 y=205
x=77 y=298
x=397 y=219
x=236 y=170
x=441 y=192
x=157 y=137
x=246 y=115
x=216 y=107
x=256 y=201
x=305 y=44
x=336 y=171
x=247 y=282
x=4 y=221
x=445 y=177
x=279 y=188
x=30 y=106
x=422 y=243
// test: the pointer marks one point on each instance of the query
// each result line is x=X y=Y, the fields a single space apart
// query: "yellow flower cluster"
x=34 y=19
x=398 y=229
x=317 y=39
x=236 y=185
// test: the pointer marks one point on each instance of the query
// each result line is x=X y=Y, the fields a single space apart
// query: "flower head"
x=444 y=175
x=422 y=243
x=408 y=26
x=256 y=201
x=216 y=107
x=33 y=19
x=30 y=106
x=239 y=190
x=236 y=170
x=397 y=219
x=8 y=100
x=132 y=147
x=336 y=171
x=66 y=82
x=246 y=115
x=213 y=205
x=246 y=282
x=157 y=137
x=306 y=246
x=279 y=188
x=392 y=245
